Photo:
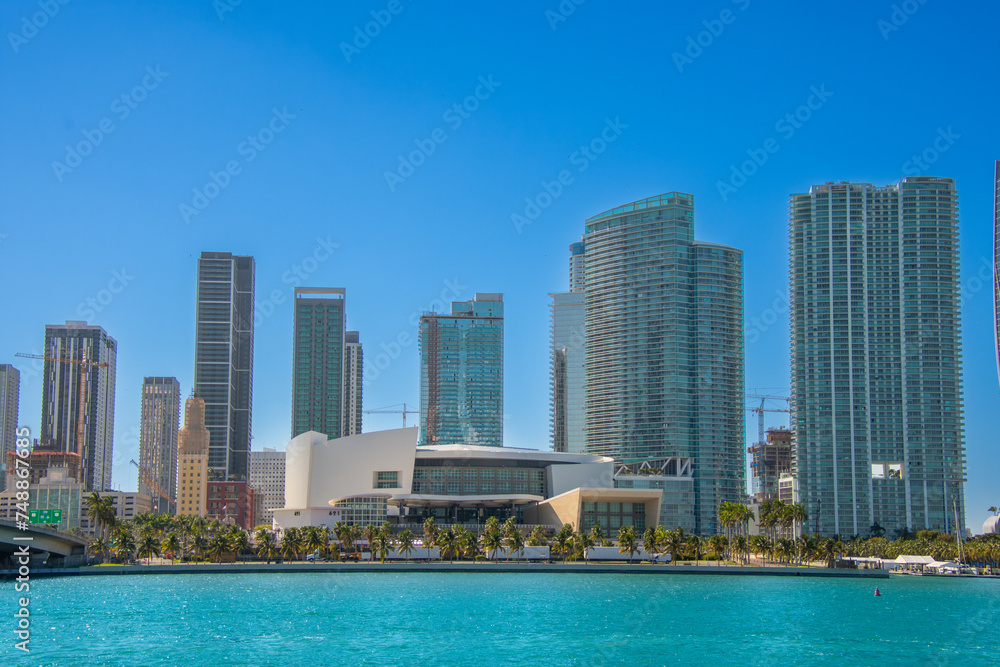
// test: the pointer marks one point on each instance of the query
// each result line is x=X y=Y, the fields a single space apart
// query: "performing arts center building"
x=384 y=476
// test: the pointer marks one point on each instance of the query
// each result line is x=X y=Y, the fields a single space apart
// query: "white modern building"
x=267 y=477
x=384 y=476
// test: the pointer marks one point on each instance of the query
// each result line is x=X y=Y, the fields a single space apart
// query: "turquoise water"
x=500 y=619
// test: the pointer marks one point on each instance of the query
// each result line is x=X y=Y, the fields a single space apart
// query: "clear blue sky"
x=208 y=80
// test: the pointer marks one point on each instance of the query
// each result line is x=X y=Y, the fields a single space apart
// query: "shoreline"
x=466 y=567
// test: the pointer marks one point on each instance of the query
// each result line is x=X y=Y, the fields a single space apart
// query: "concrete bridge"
x=46 y=545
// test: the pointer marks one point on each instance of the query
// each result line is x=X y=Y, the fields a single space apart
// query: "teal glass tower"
x=664 y=347
x=461 y=374
x=318 y=361
x=876 y=357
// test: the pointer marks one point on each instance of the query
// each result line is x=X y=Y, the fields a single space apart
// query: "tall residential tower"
x=223 y=367
x=160 y=419
x=664 y=347
x=567 y=374
x=461 y=374
x=876 y=356
x=353 y=380
x=80 y=354
x=318 y=361
x=10 y=391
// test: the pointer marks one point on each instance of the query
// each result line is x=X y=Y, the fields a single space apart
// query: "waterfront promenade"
x=482 y=567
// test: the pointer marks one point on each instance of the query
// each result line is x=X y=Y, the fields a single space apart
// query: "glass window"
x=615 y=508
x=486 y=473
x=454 y=473
x=470 y=473
x=602 y=508
x=588 y=507
x=503 y=473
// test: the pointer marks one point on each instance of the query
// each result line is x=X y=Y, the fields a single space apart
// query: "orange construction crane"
x=145 y=477
x=84 y=365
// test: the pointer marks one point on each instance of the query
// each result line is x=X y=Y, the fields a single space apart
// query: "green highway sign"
x=45 y=516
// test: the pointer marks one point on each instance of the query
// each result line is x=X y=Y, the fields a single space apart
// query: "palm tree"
x=673 y=544
x=291 y=543
x=381 y=545
x=797 y=513
x=581 y=542
x=369 y=533
x=124 y=544
x=596 y=535
x=513 y=540
x=994 y=510
x=651 y=540
x=430 y=531
x=170 y=545
x=98 y=546
x=562 y=541
x=312 y=539
x=470 y=545
x=491 y=541
x=148 y=547
x=265 y=545
x=101 y=513
x=627 y=541
x=218 y=546
x=406 y=543
x=539 y=539
x=696 y=546
x=239 y=543
x=717 y=543
x=740 y=546
x=448 y=543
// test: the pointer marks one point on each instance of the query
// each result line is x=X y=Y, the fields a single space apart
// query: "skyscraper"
x=876 y=356
x=223 y=367
x=10 y=391
x=664 y=347
x=568 y=377
x=159 y=422
x=267 y=477
x=996 y=259
x=87 y=356
x=353 y=378
x=461 y=373
x=318 y=361
x=193 y=453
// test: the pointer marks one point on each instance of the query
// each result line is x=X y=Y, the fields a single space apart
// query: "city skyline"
x=740 y=119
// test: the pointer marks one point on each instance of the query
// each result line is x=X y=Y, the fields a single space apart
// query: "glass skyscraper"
x=10 y=392
x=318 y=366
x=223 y=367
x=353 y=383
x=87 y=345
x=159 y=423
x=876 y=356
x=568 y=329
x=461 y=374
x=664 y=347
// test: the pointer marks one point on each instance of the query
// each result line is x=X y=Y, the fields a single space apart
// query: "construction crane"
x=80 y=411
x=761 y=410
x=145 y=477
x=407 y=410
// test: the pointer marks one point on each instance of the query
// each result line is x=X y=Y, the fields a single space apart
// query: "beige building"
x=583 y=508
x=192 y=460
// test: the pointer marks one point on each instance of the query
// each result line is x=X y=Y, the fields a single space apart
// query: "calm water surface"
x=497 y=619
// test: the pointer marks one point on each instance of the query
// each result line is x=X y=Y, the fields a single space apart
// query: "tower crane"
x=147 y=478
x=761 y=410
x=84 y=365
x=407 y=410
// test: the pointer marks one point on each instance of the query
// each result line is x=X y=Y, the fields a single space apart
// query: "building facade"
x=223 y=369
x=81 y=354
x=318 y=360
x=233 y=503
x=567 y=373
x=769 y=460
x=664 y=347
x=267 y=477
x=353 y=383
x=193 y=447
x=10 y=392
x=159 y=424
x=461 y=373
x=876 y=356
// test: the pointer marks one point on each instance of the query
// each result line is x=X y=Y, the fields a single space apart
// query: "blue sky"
x=269 y=129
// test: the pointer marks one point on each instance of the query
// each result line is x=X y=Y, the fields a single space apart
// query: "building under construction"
x=769 y=460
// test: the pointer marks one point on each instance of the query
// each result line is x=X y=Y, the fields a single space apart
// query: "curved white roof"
x=481 y=452
x=992 y=525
